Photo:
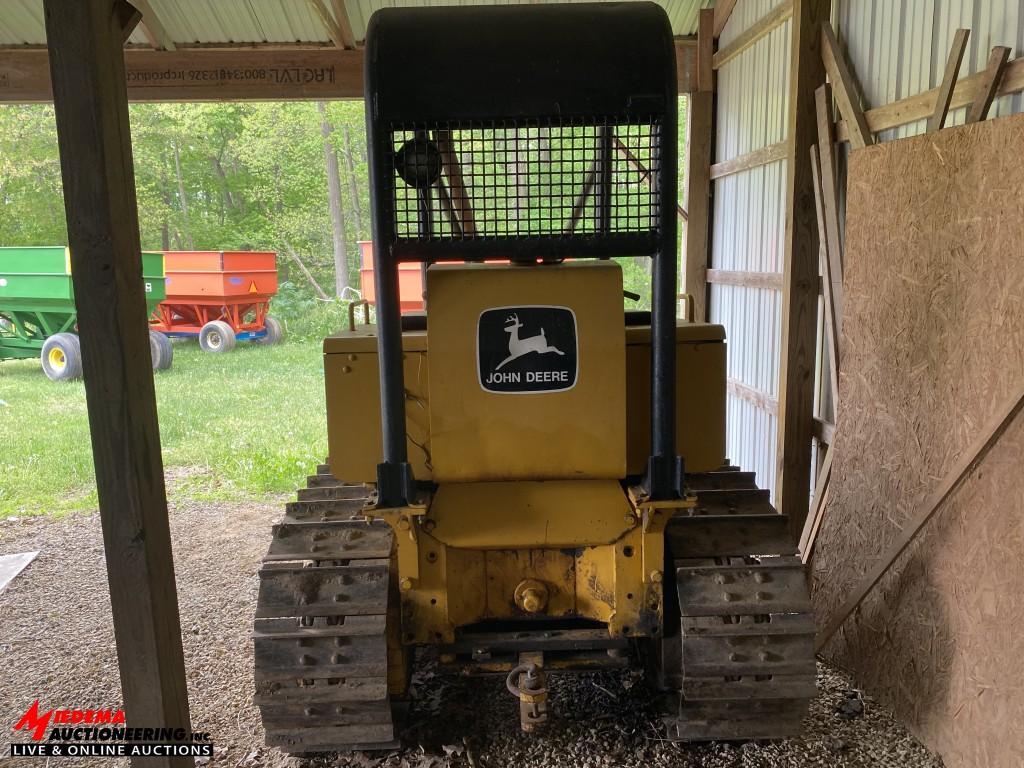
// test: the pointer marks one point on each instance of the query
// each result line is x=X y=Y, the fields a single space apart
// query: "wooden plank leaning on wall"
x=800 y=269
x=91 y=105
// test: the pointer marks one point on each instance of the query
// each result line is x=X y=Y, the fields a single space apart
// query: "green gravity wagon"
x=37 y=309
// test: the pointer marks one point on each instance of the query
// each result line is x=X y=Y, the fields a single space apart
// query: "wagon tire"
x=62 y=357
x=162 y=351
x=216 y=336
x=275 y=331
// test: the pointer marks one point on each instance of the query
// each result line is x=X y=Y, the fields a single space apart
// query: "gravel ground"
x=56 y=644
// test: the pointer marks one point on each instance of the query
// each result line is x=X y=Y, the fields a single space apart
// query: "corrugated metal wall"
x=748 y=232
x=898 y=48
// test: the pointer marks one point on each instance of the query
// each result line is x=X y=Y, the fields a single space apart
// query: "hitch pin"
x=527 y=683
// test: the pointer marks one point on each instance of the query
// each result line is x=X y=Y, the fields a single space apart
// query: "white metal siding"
x=898 y=48
x=749 y=228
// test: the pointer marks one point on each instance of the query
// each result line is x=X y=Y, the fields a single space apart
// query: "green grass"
x=246 y=425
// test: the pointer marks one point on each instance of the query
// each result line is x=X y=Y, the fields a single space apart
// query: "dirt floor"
x=57 y=645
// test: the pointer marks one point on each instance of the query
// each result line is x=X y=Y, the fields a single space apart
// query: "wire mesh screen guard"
x=508 y=179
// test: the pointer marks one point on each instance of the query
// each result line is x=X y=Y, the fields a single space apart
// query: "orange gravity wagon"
x=219 y=297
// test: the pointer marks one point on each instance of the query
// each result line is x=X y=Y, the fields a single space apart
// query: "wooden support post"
x=706 y=50
x=969 y=458
x=91 y=105
x=956 y=56
x=845 y=86
x=800 y=269
x=699 y=139
x=990 y=85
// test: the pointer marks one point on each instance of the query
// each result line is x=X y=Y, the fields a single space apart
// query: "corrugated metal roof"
x=268 y=21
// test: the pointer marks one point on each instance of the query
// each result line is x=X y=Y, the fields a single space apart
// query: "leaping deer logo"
x=518 y=347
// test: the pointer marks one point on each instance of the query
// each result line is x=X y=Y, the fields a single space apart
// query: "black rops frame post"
x=482 y=72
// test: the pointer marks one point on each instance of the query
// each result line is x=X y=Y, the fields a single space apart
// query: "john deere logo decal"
x=527 y=349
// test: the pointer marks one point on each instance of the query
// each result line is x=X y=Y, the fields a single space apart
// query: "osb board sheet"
x=932 y=347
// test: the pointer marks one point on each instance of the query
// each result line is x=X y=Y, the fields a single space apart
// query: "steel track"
x=320 y=632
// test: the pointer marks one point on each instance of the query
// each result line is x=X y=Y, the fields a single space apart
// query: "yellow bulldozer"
x=511 y=485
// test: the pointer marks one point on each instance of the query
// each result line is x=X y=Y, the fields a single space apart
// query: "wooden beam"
x=699 y=140
x=93 y=136
x=634 y=162
x=969 y=458
x=990 y=85
x=755 y=32
x=348 y=38
x=813 y=522
x=327 y=22
x=204 y=75
x=723 y=10
x=922 y=105
x=706 y=50
x=825 y=161
x=769 y=280
x=763 y=156
x=153 y=28
x=949 y=78
x=831 y=310
x=846 y=92
x=461 y=204
x=824 y=431
x=128 y=17
x=240 y=73
x=752 y=395
x=800 y=269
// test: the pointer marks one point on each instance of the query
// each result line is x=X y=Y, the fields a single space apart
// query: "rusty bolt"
x=656 y=577
x=406 y=584
x=761 y=595
x=351 y=357
x=761 y=577
x=429 y=525
x=728 y=597
x=532 y=601
x=403 y=524
x=630 y=520
x=346 y=369
x=531 y=595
